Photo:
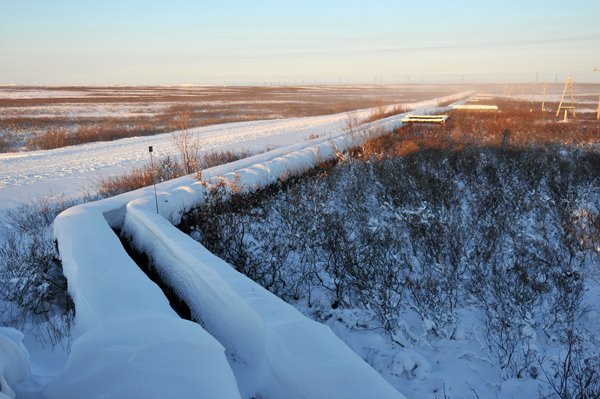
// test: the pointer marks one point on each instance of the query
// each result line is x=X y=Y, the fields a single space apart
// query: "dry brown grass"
x=118 y=184
x=6 y=141
x=515 y=126
x=164 y=169
x=52 y=138
x=382 y=112
x=205 y=105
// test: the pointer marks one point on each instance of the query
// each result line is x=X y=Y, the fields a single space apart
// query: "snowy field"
x=30 y=112
x=585 y=96
x=258 y=346
x=71 y=171
x=66 y=172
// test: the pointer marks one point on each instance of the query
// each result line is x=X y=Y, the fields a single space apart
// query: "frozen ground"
x=116 y=110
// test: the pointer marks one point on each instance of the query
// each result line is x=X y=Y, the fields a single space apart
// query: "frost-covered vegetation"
x=494 y=246
x=33 y=290
x=458 y=260
x=163 y=169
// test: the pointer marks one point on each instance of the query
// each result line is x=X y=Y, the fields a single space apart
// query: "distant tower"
x=569 y=85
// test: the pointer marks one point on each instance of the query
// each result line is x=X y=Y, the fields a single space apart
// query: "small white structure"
x=476 y=107
x=425 y=119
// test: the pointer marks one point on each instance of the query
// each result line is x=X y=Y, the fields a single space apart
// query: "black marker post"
x=153 y=177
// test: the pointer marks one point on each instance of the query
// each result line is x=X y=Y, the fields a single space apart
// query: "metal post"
x=544 y=97
x=153 y=177
x=572 y=99
x=544 y=103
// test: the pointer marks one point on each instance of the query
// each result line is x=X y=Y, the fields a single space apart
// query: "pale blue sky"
x=215 y=42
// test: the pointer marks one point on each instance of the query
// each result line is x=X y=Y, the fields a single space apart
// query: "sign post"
x=153 y=177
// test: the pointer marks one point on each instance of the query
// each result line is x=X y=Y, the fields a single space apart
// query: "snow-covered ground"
x=38 y=171
x=104 y=110
x=106 y=331
x=71 y=171
x=254 y=352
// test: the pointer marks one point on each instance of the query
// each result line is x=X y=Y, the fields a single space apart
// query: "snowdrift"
x=148 y=356
x=14 y=361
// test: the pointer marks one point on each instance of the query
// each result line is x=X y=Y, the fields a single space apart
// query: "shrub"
x=381 y=112
x=52 y=138
x=31 y=278
x=7 y=141
x=431 y=232
x=165 y=168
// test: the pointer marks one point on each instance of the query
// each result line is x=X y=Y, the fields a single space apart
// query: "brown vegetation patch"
x=515 y=125
x=163 y=169
x=204 y=105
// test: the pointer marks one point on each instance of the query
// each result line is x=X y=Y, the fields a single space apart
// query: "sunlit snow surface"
x=72 y=170
x=126 y=333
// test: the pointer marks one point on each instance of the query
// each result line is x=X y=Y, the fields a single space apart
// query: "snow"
x=14 y=362
x=71 y=170
x=16 y=92
x=145 y=357
x=280 y=353
x=477 y=107
x=125 y=331
x=254 y=344
x=111 y=110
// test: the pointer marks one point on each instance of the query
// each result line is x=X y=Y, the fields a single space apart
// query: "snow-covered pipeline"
x=131 y=343
x=116 y=304
x=282 y=353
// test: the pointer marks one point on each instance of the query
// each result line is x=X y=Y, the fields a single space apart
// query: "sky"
x=285 y=42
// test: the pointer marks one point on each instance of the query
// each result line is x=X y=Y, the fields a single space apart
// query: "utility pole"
x=544 y=102
x=544 y=97
x=569 y=85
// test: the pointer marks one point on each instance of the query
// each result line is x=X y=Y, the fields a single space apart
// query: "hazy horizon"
x=279 y=42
